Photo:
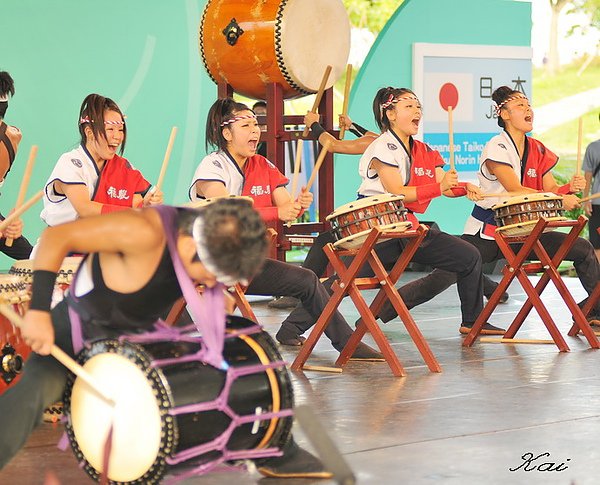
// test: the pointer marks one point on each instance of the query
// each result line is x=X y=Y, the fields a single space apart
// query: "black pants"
x=282 y=279
x=20 y=249
x=581 y=254
x=439 y=250
x=42 y=384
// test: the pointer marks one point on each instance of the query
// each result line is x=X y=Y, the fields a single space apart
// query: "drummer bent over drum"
x=126 y=282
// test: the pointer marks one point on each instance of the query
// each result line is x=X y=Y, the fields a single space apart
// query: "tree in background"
x=591 y=8
x=371 y=14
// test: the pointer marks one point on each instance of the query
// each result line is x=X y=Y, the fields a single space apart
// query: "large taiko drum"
x=252 y=43
x=173 y=410
x=518 y=215
x=13 y=350
x=351 y=223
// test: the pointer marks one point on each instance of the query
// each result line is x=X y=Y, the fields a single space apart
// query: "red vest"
x=539 y=161
x=119 y=182
x=261 y=178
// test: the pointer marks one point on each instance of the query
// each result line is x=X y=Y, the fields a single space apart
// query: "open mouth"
x=416 y=122
x=529 y=119
x=253 y=144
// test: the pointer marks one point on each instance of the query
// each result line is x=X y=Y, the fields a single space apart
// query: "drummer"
x=396 y=163
x=514 y=162
x=235 y=169
x=10 y=136
x=126 y=282
x=92 y=179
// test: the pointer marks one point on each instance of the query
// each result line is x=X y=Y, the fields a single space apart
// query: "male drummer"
x=127 y=280
x=10 y=136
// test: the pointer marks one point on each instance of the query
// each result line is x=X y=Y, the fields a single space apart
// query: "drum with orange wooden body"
x=252 y=43
x=13 y=350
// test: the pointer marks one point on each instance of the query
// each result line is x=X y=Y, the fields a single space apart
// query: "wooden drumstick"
x=346 y=97
x=297 y=163
x=590 y=197
x=318 y=164
x=163 y=168
x=62 y=357
x=19 y=210
x=579 y=140
x=24 y=184
x=503 y=194
x=318 y=97
x=451 y=138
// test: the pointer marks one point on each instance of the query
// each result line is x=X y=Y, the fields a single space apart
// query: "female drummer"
x=10 y=136
x=396 y=163
x=236 y=169
x=512 y=161
x=92 y=179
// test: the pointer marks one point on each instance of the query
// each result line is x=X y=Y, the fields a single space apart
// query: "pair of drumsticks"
x=325 y=148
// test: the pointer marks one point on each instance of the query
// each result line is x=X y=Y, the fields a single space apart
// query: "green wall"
x=389 y=63
x=141 y=53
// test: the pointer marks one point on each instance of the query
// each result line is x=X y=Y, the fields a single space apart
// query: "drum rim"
x=529 y=223
x=533 y=197
x=169 y=441
x=344 y=209
x=405 y=225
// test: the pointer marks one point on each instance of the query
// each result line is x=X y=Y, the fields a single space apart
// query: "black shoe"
x=364 y=352
x=503 y=298
x=295 y=463
x=487 y=329
x=283 y=302
x=287 y=336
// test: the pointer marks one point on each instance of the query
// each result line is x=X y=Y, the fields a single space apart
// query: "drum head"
x=520 y=199
x=356 y=240
x=135 y=419
x=362 y=203
x=313 y=34
x=524 y=228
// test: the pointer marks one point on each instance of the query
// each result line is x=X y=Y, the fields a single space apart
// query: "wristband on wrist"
x=42 y=288
x=427 y=192
x=460 y=190
x=357 y=129
x=317 y=129
x=565 y=189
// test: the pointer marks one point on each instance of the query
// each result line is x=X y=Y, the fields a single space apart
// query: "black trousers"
x=581 y=254
x=282 y=279
x=42 y=384
x=439 y=250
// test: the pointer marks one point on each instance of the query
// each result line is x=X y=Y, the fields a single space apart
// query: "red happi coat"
x=118 y=183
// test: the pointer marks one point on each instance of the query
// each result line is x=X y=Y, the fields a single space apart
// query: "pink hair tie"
x=237 y=118
x=83 y=120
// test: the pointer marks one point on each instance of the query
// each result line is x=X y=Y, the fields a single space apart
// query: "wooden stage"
x=495 y=407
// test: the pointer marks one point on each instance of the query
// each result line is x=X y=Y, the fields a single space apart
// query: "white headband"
x=206 y=260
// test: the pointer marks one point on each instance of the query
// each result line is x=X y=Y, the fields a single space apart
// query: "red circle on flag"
x=448 y=96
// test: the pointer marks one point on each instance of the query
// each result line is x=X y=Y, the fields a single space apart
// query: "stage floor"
x=493 y=407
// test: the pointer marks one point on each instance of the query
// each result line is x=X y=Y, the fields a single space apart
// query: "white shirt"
x=500 y=149
x=73 y=168
x=387 y=149
x=218 y=167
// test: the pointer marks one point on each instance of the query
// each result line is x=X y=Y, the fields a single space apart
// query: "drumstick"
x=346 y=97
x=318 y=164
x=19 y=210
x=451 y=138
x=318 y=97
x=579 y=139
x=590 y=197
x=163 y=168
x=297 y=163
x=62 y=357
x=24 y=184
x=503 y=194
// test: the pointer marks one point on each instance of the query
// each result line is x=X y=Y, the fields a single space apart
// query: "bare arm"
x=392 y=180
x=507 y=177
x=211 y=189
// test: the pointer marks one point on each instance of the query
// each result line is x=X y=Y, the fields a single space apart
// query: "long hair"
x=499 y=96
x=386 y=96
x=7 y=88
x=233 y=233
x=222 y=110
x=91 y=114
